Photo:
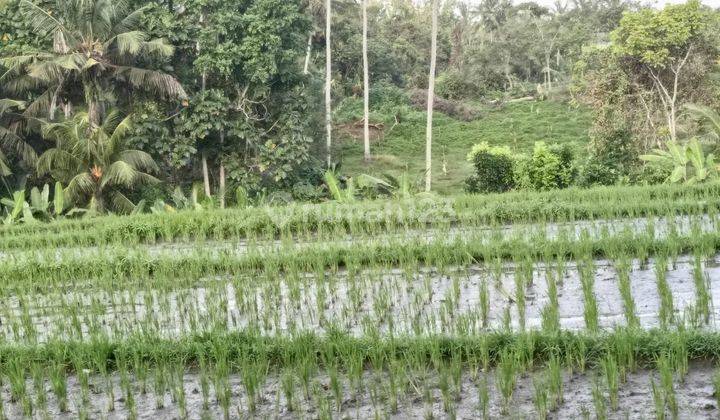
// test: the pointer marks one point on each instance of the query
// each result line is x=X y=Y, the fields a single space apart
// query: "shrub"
x=547 y=168
x=494 y=168
x=455 y=85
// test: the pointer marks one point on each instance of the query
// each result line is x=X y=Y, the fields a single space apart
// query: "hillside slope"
x=402 y=147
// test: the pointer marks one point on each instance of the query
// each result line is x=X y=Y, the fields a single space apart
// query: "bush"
x=547 y=168
x=454 y=85
x=612 y=156
x=594 y=172
x=493 y=169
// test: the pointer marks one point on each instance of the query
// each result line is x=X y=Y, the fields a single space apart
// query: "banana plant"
x=37 y=208
x=336 y=191
x=688 y=163
x=14 y=207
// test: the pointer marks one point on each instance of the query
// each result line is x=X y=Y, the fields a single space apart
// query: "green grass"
x=517 y=125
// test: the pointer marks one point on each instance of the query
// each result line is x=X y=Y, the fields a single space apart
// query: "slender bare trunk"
x=203 y=83
x=307 y=54
x=366 y=83
x=547 y=70
x=431 y=98
x=328 y=80
x=222 y=172
x=206 y=175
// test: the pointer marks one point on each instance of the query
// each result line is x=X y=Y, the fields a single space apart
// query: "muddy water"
x=695 y=397
x=424 y=301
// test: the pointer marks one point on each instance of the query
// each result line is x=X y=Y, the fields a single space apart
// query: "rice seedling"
x=540 y=397
x=159 y=385
x=127 y=388
x=667 y=386
x=667 y=310
x=178 y=389
x=38 y=378
x=555 y=381
x=506 y=377
x=484 y=299
x=58 y=383
x=483 y=396
x=520 y=281
x=612 y=379
x=623 y=267
x=587 y=280
x=599 y=400
x=716 y=386
x=702 y=294
x=551 y=311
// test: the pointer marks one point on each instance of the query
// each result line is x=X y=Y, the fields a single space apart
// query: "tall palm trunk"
x=203 y=83
x=307 y=54
x=431 y=98
x=366 y=82
x=222 y=171
x=328 y=80
x=206 y=174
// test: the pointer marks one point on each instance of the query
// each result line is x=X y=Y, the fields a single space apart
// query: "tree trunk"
x=206 y=175
x=222 y=172
x=307 y=54
x=328 y=80
x=366 y=82
x=547 y=70
x=431 y=98
x=93 y=113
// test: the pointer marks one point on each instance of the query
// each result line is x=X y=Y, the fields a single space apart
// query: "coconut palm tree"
x=94 y=161
x=97 y=50
x=431 y=97
x=366 y=83
x=328 y=80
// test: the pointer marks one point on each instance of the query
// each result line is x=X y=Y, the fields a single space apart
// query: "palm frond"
x=130 y=21
x=139 y=160
x=7 y=104
x=111 y=121
x=120 y=203
x=120 y=130
x=130 y=42
x=40 y=105
x=21 y=84
x=152 y=80
x=158 y=48
x=707 y=115
x=80 y=185
x=119 y=173
x=4 y=165
x=46 y=71
x=40 y=19
x=57 y=160
x=103 y=14
x=9 y=140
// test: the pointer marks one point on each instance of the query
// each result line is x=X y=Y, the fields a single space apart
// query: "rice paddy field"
x=591 y=303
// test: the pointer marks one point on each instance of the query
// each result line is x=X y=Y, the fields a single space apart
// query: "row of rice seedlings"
x=406 y=301
x=331 y=220
x=58 y=270
x=346 y=370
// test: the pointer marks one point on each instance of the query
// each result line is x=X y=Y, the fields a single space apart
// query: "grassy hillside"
x=518 y=125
